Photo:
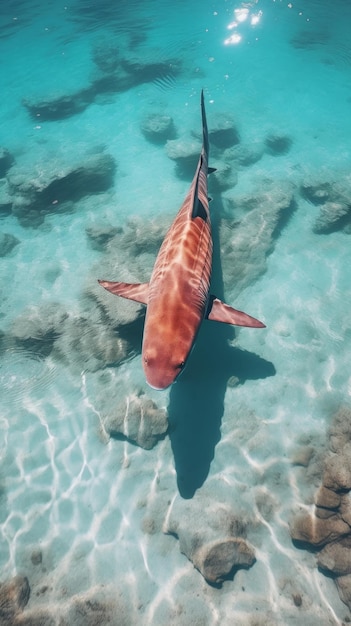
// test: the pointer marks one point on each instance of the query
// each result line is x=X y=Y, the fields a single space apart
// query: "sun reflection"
x=241 y=15
x=255 y=18
x=233 y=39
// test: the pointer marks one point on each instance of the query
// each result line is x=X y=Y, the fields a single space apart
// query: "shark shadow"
x=197 y=399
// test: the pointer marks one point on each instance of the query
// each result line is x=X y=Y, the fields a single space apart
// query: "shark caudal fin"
x=218 y=311
x=204 y=124
x=139 y=292
x=200 y=180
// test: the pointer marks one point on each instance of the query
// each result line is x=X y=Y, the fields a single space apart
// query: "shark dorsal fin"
x=139 y=292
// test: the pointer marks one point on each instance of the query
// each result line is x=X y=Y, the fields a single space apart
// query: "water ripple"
x=22 y=373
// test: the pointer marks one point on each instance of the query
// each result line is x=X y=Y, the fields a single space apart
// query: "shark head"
x=162 y=367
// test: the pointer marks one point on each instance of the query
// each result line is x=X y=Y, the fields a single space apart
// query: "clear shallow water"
x=96 y=508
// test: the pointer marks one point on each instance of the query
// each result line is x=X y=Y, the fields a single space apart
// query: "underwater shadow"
x=197 y=399
x=197 y=402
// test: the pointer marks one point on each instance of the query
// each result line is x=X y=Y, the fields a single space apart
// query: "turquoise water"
x=105 y=507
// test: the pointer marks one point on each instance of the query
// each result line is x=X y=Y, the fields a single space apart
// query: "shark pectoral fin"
x=218 y=311
x=132 y=291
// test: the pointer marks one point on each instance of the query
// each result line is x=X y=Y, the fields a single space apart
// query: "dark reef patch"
x=327 y=530
x=6 y=161
x=267 y=211
x=14 y=596
x=7 y=243
x=117 y=70
x=278 y=144
x=334 y=199
x=158 y=128
x=54 y=186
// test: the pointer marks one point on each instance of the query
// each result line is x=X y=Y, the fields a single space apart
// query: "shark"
x=178 y=297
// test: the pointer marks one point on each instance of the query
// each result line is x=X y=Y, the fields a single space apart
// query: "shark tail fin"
x=139 y=292
x=204 y=124
x=218 y=311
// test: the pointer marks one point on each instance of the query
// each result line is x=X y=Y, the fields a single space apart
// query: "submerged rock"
x=139 y=420
x=107 y=56
x=222 y=133
x=243 y=252
x=5 y=198
x=185 y=152
x=309 y=529
x=146 y=66
x=7 y=243
x=225 y=177
x=335 y=558
x=100 y=234
x=158 y=128
x=329 y=527
x=278 y=143
x=343 y=584
x=90 y=344
x=211 y=535
x=37 y=327
x=337 y=470
x=183 y=149
x=334 y=198
x=14 y=596
x=327 y=499
x=48 y=188
x=59 y=106
x=2 y=340
x=218 y=559
x=140 y=236
x=244 y=155
x=317 y=192
x=332 y=217
x=345 y=508
x=118 y=71
x=6 y=161
x=340 y=429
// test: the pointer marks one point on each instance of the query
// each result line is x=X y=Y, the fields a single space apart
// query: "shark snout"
x=159 y=380
x=157 y=388
x=160 y=375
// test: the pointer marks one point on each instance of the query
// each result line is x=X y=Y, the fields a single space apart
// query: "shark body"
x=177 y=296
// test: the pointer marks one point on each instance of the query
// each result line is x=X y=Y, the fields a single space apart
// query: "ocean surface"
x=224 y=499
